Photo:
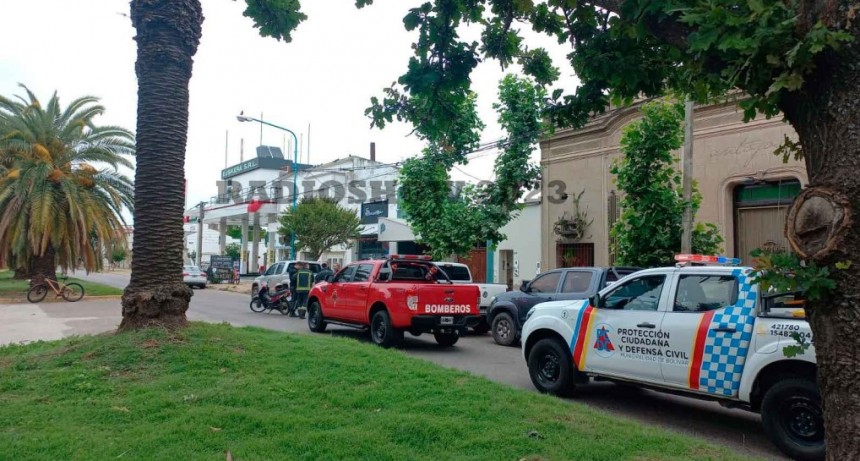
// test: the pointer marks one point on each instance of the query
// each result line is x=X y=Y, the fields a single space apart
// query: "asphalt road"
x=736 y=429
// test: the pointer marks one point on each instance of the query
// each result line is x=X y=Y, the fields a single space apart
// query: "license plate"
x=447 y=321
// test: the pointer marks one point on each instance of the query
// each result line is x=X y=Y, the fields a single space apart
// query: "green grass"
x=10 y=287
x=265 y=395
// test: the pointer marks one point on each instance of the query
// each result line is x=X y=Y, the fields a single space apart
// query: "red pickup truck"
x=394 y=295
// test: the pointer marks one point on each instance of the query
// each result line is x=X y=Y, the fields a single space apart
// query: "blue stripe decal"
x=576 y=327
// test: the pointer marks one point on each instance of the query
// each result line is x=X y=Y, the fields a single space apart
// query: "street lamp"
x=245 y=118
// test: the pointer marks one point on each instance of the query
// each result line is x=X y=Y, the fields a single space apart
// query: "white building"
x=255 y=192
x=518 y=258
x=364 y=185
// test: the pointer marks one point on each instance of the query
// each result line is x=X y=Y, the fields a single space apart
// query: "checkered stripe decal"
x=725 y=353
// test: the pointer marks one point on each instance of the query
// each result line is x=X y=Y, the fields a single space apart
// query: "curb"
x=23 y=299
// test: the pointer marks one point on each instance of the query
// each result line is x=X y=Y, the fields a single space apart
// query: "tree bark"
x=168 y=33
x=44 y=266
x=826 y=116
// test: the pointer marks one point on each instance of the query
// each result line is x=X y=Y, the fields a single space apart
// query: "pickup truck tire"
x=550 y=367
x=381 y=331
x=446 y=339
x=792 y=417
x=504 y=329
x=316 y=322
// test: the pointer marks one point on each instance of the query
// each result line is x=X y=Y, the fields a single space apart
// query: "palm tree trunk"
x=43 y=267
x=23 y=273
x=168 y=32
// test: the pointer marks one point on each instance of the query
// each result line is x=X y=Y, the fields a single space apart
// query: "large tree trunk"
x=23 y=273
x=826 y=116
x=42 y=267
x=168 y=32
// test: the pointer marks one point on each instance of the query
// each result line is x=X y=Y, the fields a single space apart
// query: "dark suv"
x=507 y=311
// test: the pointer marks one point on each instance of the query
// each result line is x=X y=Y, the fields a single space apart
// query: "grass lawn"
x=14 y=288
x=265 y=395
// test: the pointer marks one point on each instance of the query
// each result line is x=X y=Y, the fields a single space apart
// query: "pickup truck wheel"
x=551 y=368
x=381 y=331
x=316 y=323
x=792 y=417
x=446 y=339
x=504 y=329
x=481 y=328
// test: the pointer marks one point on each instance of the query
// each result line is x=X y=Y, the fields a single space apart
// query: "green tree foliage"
x=236 y=232
x=649 y=231
x=61 y=194
x=454 y=224
x=119 y=254
x=319 y=224
x=233 y=250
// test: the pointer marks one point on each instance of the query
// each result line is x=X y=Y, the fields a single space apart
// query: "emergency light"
x=684 y=258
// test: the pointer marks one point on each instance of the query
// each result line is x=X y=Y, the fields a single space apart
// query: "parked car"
x=194 y=277
x=279 y=274
x=460 y=274
x=704 y=332
x=507 y=311
x=393 y=296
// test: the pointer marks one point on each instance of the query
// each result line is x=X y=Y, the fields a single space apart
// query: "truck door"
x=355 y=294
x=623 y=336
x=336 y=294
x=711 y=323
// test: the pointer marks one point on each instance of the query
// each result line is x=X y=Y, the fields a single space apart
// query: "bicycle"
x=71 y=292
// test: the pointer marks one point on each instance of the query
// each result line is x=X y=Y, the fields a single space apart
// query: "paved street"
x=737 y=429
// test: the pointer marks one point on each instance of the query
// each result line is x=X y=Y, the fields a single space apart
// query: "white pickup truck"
x=459 y=273
x=701 y=331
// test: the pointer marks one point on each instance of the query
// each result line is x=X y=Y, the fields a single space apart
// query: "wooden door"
x=477 y=262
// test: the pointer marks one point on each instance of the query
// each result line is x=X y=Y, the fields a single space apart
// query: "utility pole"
x=200 y=234
x=687 y=178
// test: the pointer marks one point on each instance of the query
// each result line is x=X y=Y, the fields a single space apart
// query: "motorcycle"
x=278 y=300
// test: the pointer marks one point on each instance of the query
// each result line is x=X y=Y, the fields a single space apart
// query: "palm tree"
x=59 y=208
x=168 y=32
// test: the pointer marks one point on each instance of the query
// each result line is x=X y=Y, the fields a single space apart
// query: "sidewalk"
x=23 y=323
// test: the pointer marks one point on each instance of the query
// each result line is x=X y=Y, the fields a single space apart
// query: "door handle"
x=646 y=325
x=724 y=329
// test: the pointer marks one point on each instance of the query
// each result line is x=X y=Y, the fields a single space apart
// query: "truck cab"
x=703 y=331
x=402 y=293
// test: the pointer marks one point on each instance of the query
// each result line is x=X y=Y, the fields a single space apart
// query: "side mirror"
x=524 y=287
x=595 y=301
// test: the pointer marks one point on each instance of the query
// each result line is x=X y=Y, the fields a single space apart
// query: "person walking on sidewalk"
x=304 y=282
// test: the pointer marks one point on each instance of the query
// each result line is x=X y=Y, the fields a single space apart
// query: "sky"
x=318 y=85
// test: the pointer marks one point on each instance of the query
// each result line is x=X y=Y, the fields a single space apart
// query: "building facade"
x=519 y=257
x=746 y=189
